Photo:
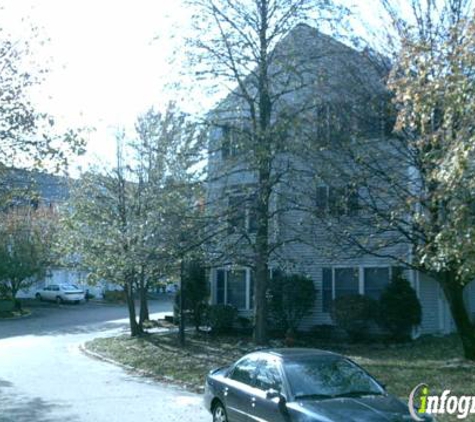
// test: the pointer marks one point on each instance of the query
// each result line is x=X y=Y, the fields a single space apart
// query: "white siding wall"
x=429 y=298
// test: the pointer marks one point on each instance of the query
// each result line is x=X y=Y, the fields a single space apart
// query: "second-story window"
x=336 y=200
x=251 y=210
x=236 y=213
x=242 y=213
x=229 y=142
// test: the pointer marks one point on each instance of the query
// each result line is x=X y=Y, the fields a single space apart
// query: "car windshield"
x=328 y=376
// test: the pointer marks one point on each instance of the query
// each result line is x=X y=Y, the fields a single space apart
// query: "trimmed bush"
x=354 y=314
x=244 y=324
x=6 y=306
x=114 y=296
x=220 y=318
x=400 y=309
x=196 y=293
x=291 y=298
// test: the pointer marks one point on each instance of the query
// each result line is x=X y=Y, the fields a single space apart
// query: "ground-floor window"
x=344 y=281
x=234 y=287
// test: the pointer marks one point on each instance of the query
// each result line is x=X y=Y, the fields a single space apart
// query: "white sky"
x=110 y=59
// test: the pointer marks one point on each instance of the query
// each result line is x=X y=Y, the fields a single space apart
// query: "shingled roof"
x=27 y=185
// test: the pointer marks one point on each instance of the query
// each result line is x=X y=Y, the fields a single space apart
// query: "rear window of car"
x=69 y=287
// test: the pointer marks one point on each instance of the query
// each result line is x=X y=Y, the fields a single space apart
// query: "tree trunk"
x=135 y=328
x=15 y=287
x=144 y=313
x=260 y=301
x=181 y=328
x=264 y=157
x=453 y=291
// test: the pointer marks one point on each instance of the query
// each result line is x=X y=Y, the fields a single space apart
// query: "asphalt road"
x=44 y=377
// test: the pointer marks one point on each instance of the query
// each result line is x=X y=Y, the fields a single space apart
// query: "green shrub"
x=220 y=318
x=6 y=306
x=196 y=290
x=400 y=309
x=326 y=332
x=354 y=314
x=89 y=296
x=244 y=325
x=291 y=298
x=114 y=296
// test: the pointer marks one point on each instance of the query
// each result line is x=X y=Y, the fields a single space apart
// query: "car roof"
x=297 y=353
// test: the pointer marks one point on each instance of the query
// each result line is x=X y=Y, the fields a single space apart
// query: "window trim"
x=229 y=147
x=361 y=278
x=226 y=270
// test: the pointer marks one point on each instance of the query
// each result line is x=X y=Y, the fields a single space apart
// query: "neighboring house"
x=338 y=72
x=36 y=189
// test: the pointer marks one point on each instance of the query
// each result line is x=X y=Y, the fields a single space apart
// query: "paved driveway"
x=45 y=378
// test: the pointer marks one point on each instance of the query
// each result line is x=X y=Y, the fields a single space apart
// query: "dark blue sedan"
x=299 y=385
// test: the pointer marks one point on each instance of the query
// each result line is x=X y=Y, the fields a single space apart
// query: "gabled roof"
x=313 y=67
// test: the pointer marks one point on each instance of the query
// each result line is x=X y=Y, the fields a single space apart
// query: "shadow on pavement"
x=83 y=329
x=17 y=408
x=70 y=319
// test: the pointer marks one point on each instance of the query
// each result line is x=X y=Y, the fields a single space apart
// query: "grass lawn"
x=435 y=361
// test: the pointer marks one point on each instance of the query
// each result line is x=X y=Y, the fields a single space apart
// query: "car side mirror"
x=272 y=394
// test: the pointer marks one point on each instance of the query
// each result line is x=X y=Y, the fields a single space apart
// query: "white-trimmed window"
x=234 y=287
x=230 y=142
x=344 y=281
x=336 y=200
x=242 y=213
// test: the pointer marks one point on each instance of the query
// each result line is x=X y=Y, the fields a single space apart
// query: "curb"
x=140 y=372
x=94 y=355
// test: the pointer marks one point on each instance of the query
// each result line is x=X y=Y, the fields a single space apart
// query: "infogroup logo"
x=421 y=403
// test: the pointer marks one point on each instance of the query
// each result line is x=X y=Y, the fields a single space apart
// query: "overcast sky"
x=110 y=59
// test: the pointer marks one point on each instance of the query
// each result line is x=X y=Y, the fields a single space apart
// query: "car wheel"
x=38 y=296
x=219 y=413
x=59 y=300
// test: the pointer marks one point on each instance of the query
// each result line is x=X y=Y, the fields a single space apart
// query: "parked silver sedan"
x=61 y=293
x=299 y=385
